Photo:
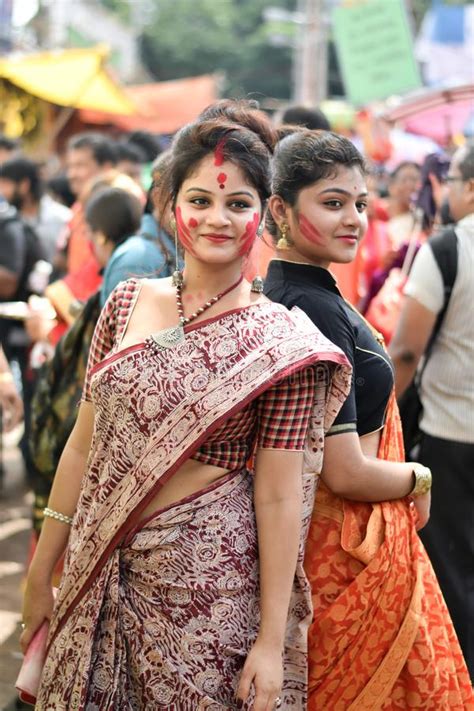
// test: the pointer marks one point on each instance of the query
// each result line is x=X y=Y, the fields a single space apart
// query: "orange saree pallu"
x=160 y=613
x=381 y=636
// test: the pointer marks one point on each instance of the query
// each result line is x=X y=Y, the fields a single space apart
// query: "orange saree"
x=381 y=637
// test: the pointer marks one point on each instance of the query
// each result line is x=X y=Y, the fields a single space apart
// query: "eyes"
x=234 y=203
x=336 y=204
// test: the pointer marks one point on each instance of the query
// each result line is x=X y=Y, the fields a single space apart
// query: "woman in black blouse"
x=377 y=604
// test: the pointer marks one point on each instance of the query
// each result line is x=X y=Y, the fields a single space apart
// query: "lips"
x=217 y=238
x=351 y=239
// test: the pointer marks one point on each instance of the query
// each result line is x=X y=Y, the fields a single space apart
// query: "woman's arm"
x=278 y=506
x=38 y=600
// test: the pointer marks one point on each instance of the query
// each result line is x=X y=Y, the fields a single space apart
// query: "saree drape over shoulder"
x=160 y=613
x=381 y=638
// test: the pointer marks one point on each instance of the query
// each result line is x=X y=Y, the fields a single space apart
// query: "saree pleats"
x=381 y=637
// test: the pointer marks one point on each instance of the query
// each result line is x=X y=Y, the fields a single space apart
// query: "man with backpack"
x=440 y=300
x=20 y=255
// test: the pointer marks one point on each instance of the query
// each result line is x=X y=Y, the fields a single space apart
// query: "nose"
x=217 y=215
x=353 y=218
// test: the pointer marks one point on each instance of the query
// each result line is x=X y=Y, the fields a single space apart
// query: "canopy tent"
x=75 y=78
x=439 y=114
x=162 y=107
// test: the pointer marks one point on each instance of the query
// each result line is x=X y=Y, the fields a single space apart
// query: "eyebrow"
x=340 y=191
x=209 y=192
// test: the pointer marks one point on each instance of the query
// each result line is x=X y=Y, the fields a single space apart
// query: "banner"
x=375 y=49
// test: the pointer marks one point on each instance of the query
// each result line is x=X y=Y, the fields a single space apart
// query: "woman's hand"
x=264 y=669
x=37 y=607
x=422 y=508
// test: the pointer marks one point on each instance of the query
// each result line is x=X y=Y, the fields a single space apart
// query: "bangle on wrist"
x=6 y=377
x=423 y=480
x=50 y=513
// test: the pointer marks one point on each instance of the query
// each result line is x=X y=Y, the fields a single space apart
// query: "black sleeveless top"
x=313 y=289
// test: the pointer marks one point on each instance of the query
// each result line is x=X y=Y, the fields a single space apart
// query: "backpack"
x=58 y=389
x=34 y=251
x=444 y=246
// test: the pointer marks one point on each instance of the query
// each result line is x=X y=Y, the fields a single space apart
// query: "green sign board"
x=375 y=49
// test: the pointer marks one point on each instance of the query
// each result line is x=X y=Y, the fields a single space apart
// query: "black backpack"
x=34 y=251
x=444 y=246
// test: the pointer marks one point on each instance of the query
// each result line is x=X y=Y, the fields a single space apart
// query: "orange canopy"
x=162 y=107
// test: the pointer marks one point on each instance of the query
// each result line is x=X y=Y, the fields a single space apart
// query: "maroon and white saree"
x=161 y=613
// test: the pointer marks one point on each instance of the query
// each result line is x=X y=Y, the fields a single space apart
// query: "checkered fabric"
x=277 y=419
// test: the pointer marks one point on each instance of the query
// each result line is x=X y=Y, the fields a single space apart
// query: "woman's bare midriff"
x=191 y=477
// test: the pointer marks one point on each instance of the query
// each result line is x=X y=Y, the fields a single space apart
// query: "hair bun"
x=243 y=113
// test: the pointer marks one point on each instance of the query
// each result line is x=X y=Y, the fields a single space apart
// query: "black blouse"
x=313 y=289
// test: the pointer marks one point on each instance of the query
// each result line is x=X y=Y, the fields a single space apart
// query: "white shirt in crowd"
x=50 y=223
x=447 y=387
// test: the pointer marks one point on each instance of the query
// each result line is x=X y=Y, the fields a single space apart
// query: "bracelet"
x=58 y=516
x=6 y=377
x=423 y=480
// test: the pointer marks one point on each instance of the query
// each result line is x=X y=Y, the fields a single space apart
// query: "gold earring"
x=284 y=243
x=260 y=229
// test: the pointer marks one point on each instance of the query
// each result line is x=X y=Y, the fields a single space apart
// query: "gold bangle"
x=57 y=515
x=6 y=377
x=423 y=480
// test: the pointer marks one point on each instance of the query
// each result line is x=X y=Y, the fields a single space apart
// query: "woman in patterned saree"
x=381 y=636
x=189 y=442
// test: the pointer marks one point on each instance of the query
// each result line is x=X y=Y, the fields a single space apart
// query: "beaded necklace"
x=173 y=336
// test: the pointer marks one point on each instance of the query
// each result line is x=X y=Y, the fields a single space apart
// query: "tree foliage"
x=191 y=37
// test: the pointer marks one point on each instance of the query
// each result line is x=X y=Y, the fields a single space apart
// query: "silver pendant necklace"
x=175 y=335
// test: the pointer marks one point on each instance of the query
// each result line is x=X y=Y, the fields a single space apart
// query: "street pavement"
x=15 y=527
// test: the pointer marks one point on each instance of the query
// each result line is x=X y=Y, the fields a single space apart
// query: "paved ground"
x=15 y=526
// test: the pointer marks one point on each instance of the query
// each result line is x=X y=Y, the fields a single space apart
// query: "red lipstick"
x=217 y=237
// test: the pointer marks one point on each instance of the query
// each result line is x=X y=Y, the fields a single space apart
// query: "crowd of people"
x=233 y=514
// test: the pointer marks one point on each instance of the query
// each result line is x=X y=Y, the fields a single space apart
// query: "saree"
x=381 y=637
x=161 y=612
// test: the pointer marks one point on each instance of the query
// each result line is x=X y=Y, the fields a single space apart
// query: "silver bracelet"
x=58 y=516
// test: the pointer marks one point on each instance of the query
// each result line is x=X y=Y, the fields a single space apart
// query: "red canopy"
x=162 y=107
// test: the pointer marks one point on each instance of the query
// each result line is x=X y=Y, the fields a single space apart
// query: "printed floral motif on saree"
x=161 y=614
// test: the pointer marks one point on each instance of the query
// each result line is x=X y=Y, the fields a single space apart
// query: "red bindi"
x=248 y=238
x=310 y=232
x=221 y=178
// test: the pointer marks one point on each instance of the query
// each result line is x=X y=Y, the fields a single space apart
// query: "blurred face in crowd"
x=132 y=169
x=329 y=218
x=217 y=213
x=81 y=167
x=460 y=192
x=13 y=192
x=405 y=185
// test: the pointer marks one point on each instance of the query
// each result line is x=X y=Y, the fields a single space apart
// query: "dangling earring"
x=260 y=229
x=177 y=276
x=284 y=243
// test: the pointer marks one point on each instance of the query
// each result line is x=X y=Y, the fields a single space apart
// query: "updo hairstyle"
x=248 y=144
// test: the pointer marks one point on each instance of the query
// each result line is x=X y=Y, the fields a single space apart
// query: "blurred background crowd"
x=85 y=128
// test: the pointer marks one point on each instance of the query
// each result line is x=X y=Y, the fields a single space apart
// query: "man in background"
x=447 y=396
x=22 y=187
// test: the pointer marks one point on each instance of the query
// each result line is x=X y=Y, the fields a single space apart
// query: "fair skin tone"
x=216 y=227
x=416 y=321
x=326 y=225
x=11 y=403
